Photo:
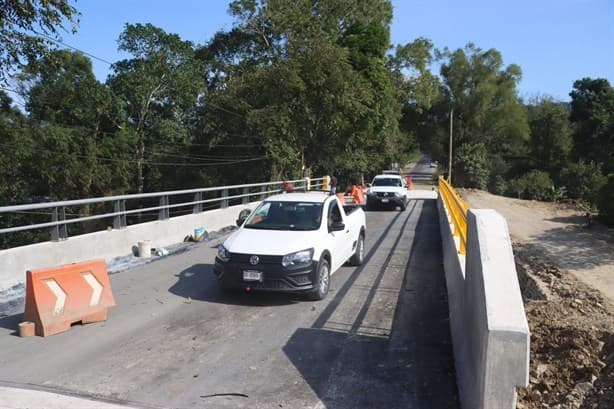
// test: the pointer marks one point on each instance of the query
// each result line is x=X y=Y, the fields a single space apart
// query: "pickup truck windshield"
x=285 y=216
x=387 y=182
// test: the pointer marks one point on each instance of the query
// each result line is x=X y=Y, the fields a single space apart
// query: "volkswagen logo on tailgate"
x=253 y=260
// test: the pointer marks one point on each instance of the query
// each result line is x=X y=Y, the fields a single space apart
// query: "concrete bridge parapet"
x=489 y=329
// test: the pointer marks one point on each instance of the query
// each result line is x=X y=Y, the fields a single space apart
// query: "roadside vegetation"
x=292 y=87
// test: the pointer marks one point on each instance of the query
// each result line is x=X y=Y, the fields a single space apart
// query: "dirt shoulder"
x=566 y=274
x=560 y=230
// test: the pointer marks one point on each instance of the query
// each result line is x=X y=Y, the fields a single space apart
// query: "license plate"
x=251 y=275
x=384 y=200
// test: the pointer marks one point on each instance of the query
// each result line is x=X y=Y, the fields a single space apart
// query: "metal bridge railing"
x=59 y=222
x=457 y=211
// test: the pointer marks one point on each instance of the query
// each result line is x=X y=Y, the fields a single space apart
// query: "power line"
x=224 y=109
x=63 y=44
x=145 y=162
x=55 y=40
x=166 y=142
x=203 y=164
x=210 y=158
x=189 y=144
x=14 y=91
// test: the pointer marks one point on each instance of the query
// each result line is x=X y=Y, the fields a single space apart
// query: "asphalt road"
x=379 y=340
x=422 y=173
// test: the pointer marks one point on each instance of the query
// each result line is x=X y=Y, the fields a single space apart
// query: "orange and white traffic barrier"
x=409 y=182
x=357 y=195
x=58 y=297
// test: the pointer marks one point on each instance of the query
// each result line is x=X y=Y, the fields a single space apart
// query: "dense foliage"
x=293 y=87
x=28 y=27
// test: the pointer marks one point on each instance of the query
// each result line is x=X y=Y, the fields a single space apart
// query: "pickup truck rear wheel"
x=322 y=283
x=359 y=254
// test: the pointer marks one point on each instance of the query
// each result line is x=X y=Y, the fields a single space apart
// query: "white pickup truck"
x=387 y=190
x=292 y=242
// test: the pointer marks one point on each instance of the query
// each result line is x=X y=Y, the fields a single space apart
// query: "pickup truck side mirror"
x=336 y=226
x=243 y=214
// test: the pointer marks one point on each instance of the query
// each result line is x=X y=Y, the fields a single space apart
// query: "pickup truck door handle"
x=347 y=231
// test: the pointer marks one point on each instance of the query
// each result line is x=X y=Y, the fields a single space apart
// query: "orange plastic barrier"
x=341 y=197
x=408 y=181
x=60 y=296
x=357 y=195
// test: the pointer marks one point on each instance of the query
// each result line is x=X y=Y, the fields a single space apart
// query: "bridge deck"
x=380 y=340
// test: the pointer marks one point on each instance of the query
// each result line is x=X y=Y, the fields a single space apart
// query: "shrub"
x=516 y=188
x=605 y=201
x=471 y=166
x=499 y=168
x=583 y=180
x=498 y=185
x=535 y=184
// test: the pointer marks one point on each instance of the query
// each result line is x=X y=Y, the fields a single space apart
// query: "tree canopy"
x=28 y=27
x=292 y=87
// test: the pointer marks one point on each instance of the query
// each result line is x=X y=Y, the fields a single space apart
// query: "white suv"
x=387 y=190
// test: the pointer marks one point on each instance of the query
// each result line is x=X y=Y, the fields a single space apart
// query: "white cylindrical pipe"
x=145 y=248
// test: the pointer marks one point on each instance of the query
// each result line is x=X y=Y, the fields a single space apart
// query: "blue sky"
x=555 y=42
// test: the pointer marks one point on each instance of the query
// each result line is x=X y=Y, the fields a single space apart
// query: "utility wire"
x=224 y=109
x=212 y=158
x=14 y=91
x=63 y=44
x=145 y=162
x=59 y=42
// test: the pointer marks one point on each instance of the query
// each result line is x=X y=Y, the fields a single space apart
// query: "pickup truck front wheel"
x=323 y=281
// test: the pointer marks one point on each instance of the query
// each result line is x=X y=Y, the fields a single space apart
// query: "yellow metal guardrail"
x=457 y=209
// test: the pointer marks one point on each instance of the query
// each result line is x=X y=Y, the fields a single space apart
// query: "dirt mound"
x=572 y=337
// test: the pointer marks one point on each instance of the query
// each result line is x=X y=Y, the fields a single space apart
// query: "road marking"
x=60 y=296
x=96 y=288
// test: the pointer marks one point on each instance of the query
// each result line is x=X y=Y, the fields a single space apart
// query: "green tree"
x=27 y=28
x=583 y=180
x=410 y=64
x=551 y=135
x=375 y=140
x=605 y=200
x=160 y=87
x=482 y=93
x=15 y=151
x=314 y=91
x=471 y=166
x=592 y=112
x=535 y=185
x=74 y=119
x=417 y=90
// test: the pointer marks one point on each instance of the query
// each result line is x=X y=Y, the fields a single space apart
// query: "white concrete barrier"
x=109 y=244
x=489 y=329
